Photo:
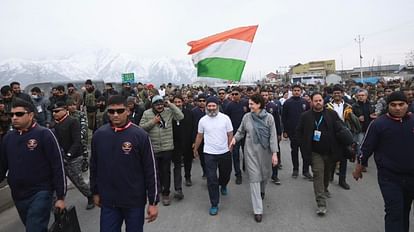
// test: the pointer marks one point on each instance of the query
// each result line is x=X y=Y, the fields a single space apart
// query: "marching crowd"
x=139 y=132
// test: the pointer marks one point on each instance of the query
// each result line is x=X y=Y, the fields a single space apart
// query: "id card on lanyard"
x=317 y=133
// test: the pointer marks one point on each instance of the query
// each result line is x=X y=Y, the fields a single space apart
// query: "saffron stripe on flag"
x=241 y=33
x=232 y=48
x=223 y=68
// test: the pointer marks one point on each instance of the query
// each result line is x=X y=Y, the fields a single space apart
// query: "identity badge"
x=317 y=136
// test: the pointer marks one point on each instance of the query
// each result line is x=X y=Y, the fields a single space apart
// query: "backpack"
x=90 y=99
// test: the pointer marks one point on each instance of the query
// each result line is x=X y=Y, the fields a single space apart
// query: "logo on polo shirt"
x=127 y=147
x=304 y=107
x=31 y=144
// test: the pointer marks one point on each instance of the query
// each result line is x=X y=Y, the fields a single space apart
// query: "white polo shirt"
x=215 y=131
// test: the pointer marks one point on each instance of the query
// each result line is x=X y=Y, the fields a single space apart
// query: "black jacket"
x=182 y=132
x=68 y=135
x=292 y=109
x=305 y=131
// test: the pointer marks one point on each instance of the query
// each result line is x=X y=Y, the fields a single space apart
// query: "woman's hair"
x=258 y=99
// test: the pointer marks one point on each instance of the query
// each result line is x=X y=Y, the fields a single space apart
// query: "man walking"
x=31 y=155
x=292 y=110
x=316 y=137
x=216 y=130
x=123 y=171
x=390 y=139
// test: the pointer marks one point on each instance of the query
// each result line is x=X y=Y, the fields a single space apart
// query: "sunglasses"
x=118 y=111
x=222 y=93
x=201 y=100
x=235 y=94
x=18 y=114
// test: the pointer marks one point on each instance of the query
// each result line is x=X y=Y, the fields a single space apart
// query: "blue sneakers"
x=213 y=210
x=223 y=191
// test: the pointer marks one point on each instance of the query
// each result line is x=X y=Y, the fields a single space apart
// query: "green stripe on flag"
x=223 y=68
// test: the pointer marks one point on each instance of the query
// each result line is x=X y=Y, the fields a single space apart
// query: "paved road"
x=289 y=207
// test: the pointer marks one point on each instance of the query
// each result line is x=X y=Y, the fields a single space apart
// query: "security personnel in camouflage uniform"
x=67 y=130
x=83 y=120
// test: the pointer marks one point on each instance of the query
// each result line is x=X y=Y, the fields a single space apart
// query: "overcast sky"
x=289 y=32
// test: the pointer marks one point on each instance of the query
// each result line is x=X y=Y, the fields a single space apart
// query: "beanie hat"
x=213 y=99
x=156 y=98
x=396 y=96
x=88 y=82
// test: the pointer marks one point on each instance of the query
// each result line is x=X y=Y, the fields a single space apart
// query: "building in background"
x=313 y=72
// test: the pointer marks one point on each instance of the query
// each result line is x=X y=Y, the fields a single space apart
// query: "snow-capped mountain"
x=97 y=65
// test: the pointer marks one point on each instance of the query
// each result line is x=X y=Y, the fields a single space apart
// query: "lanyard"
x=319 y=123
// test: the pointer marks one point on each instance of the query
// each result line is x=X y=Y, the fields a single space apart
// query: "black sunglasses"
x=235 y=94
x=18 y=114
x=201 y=100
x=118 y=111
x=222 y=93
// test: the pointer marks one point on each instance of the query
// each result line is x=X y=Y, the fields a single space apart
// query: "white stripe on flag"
x=232 y=48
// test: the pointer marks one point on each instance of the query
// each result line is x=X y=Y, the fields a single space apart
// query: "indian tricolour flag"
x=223 y=55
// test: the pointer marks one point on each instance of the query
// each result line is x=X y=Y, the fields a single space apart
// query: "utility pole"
x=359 y=40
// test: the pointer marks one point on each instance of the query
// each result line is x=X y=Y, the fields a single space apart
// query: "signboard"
x=128 y=78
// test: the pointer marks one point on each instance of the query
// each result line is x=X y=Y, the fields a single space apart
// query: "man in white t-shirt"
x=217 y=131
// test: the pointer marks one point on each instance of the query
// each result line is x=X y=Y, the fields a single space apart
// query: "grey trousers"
x=73 y=170
x=321 y=168
x=255 y=189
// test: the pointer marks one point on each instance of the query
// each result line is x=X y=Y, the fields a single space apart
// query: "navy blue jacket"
x=273 y=109
x=34 y=162
x=292 y=110
x=236 y=111
x=390 y=140
x=197 y=115
x=123 y=170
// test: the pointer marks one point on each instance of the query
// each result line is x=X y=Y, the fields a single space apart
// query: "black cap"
x=213 y=99
x=59 y=104
x=397 y=96
x=88 y=82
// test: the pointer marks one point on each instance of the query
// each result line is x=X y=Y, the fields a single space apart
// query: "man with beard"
x=158 y=123
x=291 y=112
x=67 y=130
x=43 y=115
x=182 y=147
x=316 y=136
x=390 y=138
x=74 y=94
x=109 y=91
x=217 y=131
x=89 y=101
x=136 y=111
x=7 y=95
x=198 y=112
x=273 y=109
x=31 y=155
x=127 y=91
x=17 y=92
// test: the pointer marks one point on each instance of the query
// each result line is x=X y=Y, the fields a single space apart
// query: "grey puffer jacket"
x=161 y=138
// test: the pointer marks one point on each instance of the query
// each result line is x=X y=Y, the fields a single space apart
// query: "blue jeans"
x=35 y=211
x=223 y=163
x=113 y=217
x=398 y=194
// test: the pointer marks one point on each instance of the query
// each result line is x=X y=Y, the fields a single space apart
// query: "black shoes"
x=179 y=194
x=344 y=185
x=308 y=176
x=262 y=195
x=90 y=204
x=258 y=218
x=295 y=174
x=238 y=180
x=275 y=180
x=188 y=182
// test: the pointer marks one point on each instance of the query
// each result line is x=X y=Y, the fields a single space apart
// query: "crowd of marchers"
x=130 y=139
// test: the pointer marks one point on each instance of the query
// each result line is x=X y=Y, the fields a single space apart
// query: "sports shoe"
x=321 y=211
x=295 y=174
x=275 y=180
x=188 y=182
x=308 y=176
x=213 y=210
x=179 y=195
x=327 y=194
x=223 y=191
x=166 y=201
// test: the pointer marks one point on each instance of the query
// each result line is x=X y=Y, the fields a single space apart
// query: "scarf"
x=262 y=130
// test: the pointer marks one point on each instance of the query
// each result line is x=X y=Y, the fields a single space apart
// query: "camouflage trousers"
x=73 y=169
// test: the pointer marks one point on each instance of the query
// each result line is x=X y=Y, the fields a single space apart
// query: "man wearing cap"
x=217 y=131
x=157 y=121
x=89 y=101
x=30 y=153
x=390 y=138
x=68 y=134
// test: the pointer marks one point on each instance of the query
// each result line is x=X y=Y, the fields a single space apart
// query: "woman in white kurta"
x=259 y=151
